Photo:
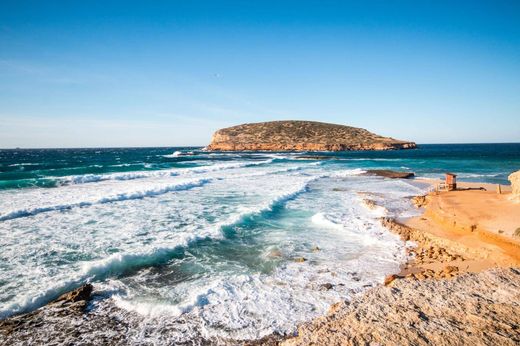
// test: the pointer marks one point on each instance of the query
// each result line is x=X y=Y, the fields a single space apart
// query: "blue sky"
x=169 y=73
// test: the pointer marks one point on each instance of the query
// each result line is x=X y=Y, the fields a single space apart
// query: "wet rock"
x=80 y=294
x=326 y=286
x=68 y=304
x=389 y=174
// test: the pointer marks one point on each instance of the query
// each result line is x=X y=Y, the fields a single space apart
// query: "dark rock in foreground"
x=295 y=135
x=71 y=303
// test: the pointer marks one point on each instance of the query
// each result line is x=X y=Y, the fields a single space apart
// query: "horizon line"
x=203 y=146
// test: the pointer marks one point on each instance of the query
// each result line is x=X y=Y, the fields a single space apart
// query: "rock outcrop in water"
x=390 y=174
x=301 y=136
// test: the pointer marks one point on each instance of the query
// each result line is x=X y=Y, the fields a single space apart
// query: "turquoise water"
x=44 y=167
x=205 y=245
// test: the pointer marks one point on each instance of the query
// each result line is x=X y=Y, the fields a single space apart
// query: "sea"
x=196 y=245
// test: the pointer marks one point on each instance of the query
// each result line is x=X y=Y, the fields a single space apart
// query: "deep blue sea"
x=209 y=246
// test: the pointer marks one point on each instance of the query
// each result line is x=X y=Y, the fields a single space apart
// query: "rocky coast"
x=461 y=285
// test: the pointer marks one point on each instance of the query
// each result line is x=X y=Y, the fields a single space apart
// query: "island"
x=298 y=135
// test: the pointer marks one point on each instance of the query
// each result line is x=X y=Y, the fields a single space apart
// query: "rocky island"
x=295 y=135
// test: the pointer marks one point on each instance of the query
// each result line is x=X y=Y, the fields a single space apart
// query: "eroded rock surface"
x=514 y=178
x=301 y=136
x=471 y=309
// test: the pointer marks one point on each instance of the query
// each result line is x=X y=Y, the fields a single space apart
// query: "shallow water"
x=208 y=241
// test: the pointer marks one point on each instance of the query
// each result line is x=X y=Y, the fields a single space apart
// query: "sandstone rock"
x=463 y=311
x=389 y=279
x=514 y=178
x=334 y=308
x=301 y=136
x=419 y=201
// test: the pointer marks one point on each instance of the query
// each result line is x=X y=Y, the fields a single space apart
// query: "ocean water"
x=206 y=246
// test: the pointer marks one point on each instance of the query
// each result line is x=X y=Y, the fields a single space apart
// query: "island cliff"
x=295 y=135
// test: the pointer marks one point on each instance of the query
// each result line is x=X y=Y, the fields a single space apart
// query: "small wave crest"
x=108 y=199
x=348 y=173
x=120 y=263
x=321 y=219
x=94 y=178
x=175 y=154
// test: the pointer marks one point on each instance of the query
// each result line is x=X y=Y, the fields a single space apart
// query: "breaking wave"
x=14 y=214
x=120 y=263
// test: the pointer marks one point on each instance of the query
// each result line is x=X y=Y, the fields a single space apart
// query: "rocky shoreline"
x=442 y=296
x=472 y=309
x=448 y=293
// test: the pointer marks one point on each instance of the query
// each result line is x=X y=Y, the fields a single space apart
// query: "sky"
x=170 y=73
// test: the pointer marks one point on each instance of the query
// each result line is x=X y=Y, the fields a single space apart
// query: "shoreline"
x=448 y=260
x=441 y=264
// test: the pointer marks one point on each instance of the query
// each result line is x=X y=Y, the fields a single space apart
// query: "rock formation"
x=514 y=178
x=301 y=136
x=462 y=311
x=389 y=174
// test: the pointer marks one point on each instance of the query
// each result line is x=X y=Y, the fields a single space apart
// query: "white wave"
x=13 y=214
x=120 y=263
x=223 y=166
x=23 y=164
x=322 y=220
x=348 y=173
x=476 y=175
x=148 y=308
x=175 y=154
x=93 y=178
x=328 y=221
x=29 y=303
x=122 y=165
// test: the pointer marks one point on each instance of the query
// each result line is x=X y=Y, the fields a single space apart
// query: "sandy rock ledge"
x=471 y=309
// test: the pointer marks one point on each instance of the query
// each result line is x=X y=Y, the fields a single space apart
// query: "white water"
x=143 y=239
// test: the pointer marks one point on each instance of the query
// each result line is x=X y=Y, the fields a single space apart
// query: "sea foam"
x=155 y=191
